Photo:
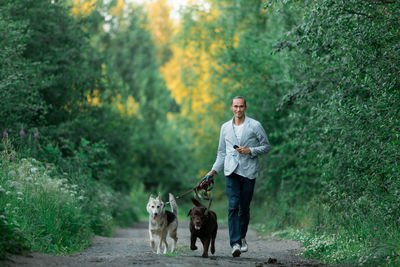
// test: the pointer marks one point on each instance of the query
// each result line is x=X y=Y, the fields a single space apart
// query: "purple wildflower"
x=5 y=134
x=36 y=135
x=21 y=133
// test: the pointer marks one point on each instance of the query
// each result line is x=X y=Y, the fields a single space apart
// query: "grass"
x=43 y=209
x=46 y=210
x=343 y=247
x=361 y=240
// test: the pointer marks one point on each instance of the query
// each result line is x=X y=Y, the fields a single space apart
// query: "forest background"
x=105 y=102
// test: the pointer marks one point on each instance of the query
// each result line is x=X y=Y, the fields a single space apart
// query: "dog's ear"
x=151 y=197
x=159 y=196
x=189 y=212
x=196 y=202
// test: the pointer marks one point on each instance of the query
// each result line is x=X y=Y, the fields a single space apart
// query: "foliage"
x=323 y=79
x=64 y=113
x=118 y=102
x=20 y=104
x=11 y=240
x=45 y=209
x=344 y=103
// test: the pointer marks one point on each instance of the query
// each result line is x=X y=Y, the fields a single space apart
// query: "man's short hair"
x=239 y=97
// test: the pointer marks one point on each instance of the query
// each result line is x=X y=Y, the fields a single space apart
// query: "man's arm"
x=264 y=145
x=219 y=162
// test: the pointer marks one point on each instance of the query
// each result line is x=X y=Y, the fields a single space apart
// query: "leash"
x=202 y=190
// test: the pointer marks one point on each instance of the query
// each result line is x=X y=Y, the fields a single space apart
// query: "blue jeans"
x=240 y=192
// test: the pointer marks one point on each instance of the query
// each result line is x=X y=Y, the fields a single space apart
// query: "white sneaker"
x=236 y=250
x=244 y=247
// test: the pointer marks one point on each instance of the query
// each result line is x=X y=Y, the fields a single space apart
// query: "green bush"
x=45 y=208
x=11 y=238
x=55 y=211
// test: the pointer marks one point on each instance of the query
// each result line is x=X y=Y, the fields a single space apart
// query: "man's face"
x=238 y=107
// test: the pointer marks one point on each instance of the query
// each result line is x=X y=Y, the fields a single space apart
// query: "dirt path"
x=130 y=247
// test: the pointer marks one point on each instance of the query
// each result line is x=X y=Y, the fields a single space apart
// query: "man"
x=241 y=141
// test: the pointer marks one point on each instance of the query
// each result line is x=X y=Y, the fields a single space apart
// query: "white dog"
x=162 y=222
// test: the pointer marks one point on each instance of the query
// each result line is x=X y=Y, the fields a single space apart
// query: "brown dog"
x=203 y=225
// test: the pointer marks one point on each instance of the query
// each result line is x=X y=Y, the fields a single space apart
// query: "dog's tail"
x=173 y=204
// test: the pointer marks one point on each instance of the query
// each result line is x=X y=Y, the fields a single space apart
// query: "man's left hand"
x=243 y=150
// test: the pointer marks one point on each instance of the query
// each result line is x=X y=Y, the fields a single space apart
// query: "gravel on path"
x=131 y=247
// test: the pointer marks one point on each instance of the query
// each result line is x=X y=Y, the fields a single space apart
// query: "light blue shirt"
x=253 y=137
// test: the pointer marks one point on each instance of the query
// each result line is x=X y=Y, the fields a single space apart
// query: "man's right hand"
x=211 y=173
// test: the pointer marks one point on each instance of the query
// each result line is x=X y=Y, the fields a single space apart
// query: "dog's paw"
x=193 y=247
x=205 y=255
x=212 y=251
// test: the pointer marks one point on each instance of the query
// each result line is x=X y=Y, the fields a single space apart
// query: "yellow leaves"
x=172 y=73
x=187 y=72
x=264 y=10
x=169 y=116
x=94 y=99
x=190 y=70
x=132 y=107
x=128 y=108
x=83 y=8
x=117 y=10
x=160 y=25
x=235 y=40
x=191 y=92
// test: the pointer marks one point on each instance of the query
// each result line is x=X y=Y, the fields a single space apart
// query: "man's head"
x=239 y=97
x=238 y=107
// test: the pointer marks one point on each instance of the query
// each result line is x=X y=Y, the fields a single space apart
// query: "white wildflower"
x=34 y=169
x=12 y=173
x=81 y=197
x=19 y=198
x=8 y=192
x=19 y=193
